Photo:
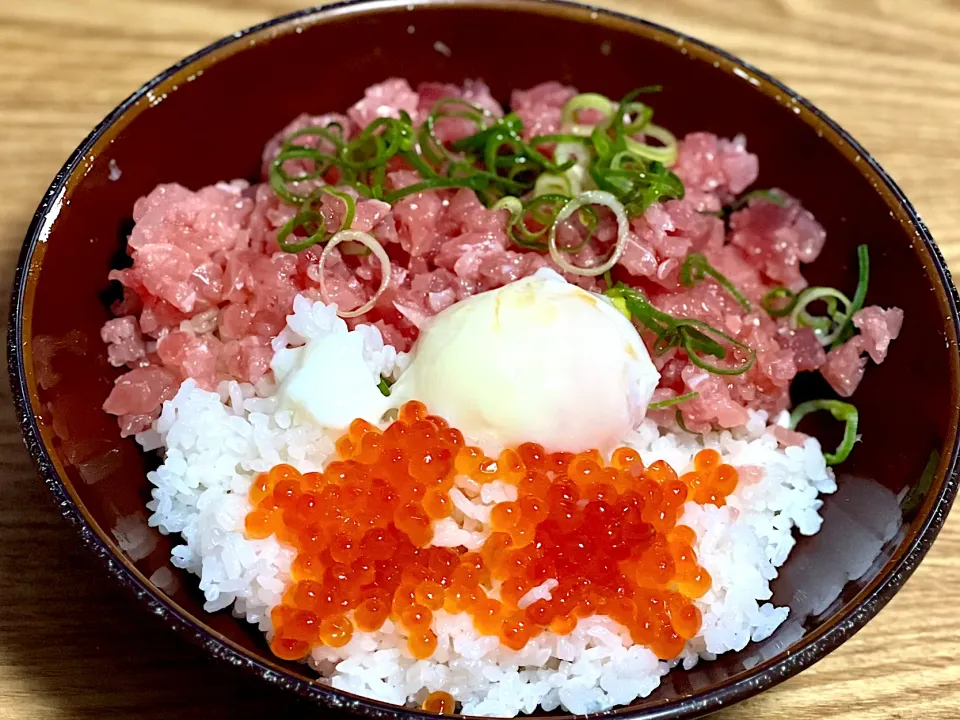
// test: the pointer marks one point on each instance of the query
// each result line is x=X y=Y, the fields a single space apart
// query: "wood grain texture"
x=73 y=646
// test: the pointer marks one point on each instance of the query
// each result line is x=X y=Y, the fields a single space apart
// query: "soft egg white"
x=328 y=381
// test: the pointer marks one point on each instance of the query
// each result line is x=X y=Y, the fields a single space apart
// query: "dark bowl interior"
x=208 y=118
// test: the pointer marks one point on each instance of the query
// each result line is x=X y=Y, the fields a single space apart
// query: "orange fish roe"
x=606 y=532
x=439 y=702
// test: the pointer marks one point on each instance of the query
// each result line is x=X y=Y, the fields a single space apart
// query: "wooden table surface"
x=73 y=646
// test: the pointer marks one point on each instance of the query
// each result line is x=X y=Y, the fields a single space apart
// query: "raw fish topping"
x=419 y=198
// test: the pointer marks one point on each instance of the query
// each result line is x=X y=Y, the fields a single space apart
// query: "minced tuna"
x=209 y=287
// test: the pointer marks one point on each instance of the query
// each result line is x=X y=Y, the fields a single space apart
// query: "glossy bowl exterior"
x=207 y=118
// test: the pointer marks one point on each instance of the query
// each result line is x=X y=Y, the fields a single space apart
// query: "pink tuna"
x=386 y=99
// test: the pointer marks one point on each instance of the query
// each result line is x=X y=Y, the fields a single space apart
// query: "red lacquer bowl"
x=208 y=117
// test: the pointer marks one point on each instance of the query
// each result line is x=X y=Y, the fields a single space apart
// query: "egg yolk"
x=605 y=532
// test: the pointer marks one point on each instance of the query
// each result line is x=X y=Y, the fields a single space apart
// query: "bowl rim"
x=852 y=616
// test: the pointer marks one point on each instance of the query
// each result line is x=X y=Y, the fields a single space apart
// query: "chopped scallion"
x=696 y=267
x=859 y=296
x=670 y=402
x=772 y=302
x=697 y=338
x=495 y=161
x=842 y=411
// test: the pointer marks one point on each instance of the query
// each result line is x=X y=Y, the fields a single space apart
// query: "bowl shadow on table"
x=72 y=640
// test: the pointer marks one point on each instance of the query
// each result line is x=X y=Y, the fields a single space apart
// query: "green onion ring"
x=577 y=151
x=716 y=369
x=642 y=114
x=377 y=249
x=842 y=411
x=767 y=302
x=693 y=338
x=308 y=215
x=301 y=219
x=551 y=184
x=799 y=317
x=543 y=210
x=511 y=204
x=667 y=154
x=585 y=101
x=591 y=197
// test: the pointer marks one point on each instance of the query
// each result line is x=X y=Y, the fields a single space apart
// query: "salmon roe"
x=606 y=532
x=439 y=702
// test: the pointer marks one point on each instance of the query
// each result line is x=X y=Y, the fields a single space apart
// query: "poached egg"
x=539 y=360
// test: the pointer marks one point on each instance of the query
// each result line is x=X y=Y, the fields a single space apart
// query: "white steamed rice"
x=214 y=443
